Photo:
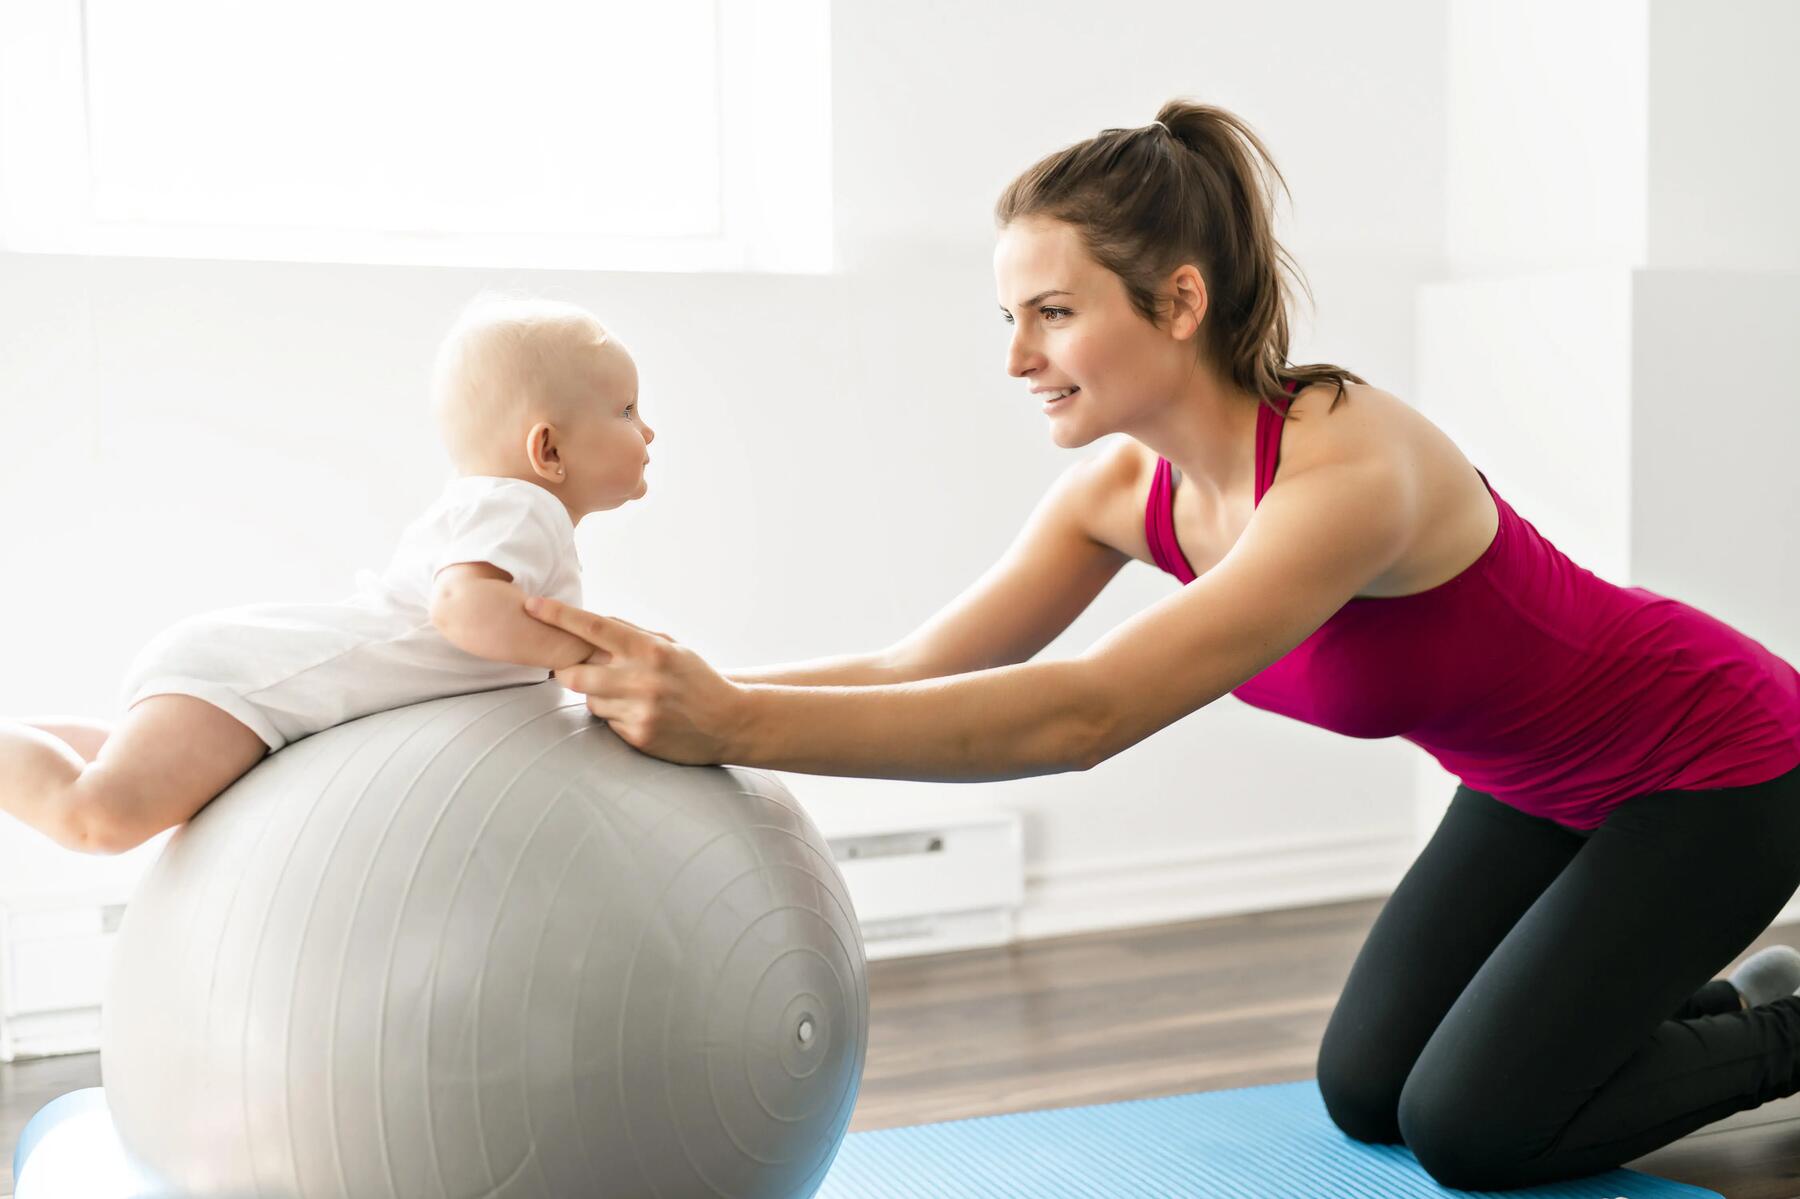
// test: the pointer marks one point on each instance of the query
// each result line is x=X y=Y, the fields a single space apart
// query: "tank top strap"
x=1268 y=441
x=1159 y=511
x=1159 y=524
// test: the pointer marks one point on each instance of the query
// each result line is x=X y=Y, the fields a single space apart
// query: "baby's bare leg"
x=35 y=769
x=80 y=734
x=170 y=755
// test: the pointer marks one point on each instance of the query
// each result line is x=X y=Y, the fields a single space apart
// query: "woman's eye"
x=1048 y=314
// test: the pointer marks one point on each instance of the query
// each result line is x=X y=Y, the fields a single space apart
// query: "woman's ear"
x=1188 y=301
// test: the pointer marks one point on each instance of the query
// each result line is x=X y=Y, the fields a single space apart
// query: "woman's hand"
x=658 y=696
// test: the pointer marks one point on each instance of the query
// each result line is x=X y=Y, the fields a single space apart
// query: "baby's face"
x=607 y=445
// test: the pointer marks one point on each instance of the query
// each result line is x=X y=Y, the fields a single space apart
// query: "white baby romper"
x=290 y=670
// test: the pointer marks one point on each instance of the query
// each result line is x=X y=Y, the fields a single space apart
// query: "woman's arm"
x=662 y=698
x=1005 y=723
x=1314 y=542
x=1318 y=537
x=847 y=670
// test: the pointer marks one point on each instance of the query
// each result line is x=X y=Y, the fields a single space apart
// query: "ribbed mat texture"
x=1271 y=1141
x=1274 y=1141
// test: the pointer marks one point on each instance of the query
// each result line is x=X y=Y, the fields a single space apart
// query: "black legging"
x=1533 y=1002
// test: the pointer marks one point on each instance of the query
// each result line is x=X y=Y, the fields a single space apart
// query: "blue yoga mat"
x=1263 y=1141
x=70 y=1151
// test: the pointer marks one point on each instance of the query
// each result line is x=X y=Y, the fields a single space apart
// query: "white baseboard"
x=1144 y=889
x=49 y=1034
x=947 y=932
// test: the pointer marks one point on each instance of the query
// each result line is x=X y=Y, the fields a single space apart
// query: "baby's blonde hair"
x=507 y=362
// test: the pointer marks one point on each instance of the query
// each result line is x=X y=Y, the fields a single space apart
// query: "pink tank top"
x=1528 y=677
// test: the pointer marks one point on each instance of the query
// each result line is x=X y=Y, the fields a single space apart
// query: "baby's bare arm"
x=484 y=614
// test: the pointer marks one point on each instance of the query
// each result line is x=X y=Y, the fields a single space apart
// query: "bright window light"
x=684 y=135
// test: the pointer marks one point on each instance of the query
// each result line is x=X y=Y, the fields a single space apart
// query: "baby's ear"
x=542 y=452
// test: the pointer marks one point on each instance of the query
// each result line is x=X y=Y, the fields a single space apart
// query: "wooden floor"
x=1232 y=1002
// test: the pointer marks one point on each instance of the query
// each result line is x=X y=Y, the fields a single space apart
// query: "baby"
x=537 y=405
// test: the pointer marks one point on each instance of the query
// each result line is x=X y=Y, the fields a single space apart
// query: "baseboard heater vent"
x=932 y=882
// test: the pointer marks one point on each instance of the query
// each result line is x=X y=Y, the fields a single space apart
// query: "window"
x=599 y=135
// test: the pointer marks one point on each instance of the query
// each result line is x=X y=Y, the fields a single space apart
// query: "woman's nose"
x=1021 y=357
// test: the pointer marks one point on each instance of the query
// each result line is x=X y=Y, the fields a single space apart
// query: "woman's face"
x=1073 y=326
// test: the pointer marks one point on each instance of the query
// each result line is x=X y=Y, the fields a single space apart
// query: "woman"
x=1533 y=1001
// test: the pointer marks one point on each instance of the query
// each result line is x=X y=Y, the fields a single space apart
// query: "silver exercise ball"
x=481 y=947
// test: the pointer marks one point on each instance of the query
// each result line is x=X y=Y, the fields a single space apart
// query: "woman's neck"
x=1209 y=434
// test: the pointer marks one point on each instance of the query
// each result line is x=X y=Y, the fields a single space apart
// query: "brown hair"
x=1184 y=188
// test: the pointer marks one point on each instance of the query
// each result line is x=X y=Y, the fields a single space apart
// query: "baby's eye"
x=629 y=408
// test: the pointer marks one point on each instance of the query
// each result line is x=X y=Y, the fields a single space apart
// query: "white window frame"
x=775 y=168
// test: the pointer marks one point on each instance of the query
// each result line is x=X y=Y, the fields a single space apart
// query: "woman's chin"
x=1069 y=435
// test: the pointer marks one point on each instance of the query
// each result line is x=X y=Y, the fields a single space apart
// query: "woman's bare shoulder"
x=1454 y=517
x=1119 y=476
x=1366 y=423
x=1373 y=427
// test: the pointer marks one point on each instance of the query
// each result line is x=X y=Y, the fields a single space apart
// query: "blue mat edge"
x=1620 y=1174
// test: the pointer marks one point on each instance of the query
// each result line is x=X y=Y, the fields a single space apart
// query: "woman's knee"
x=1361 y=1090
x=1461 y=1138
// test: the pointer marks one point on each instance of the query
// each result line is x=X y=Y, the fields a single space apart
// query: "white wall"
x=1716 y=502
x=837 y=456
x=1624 y=277
x=1546 y=115
x=1722 y=139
